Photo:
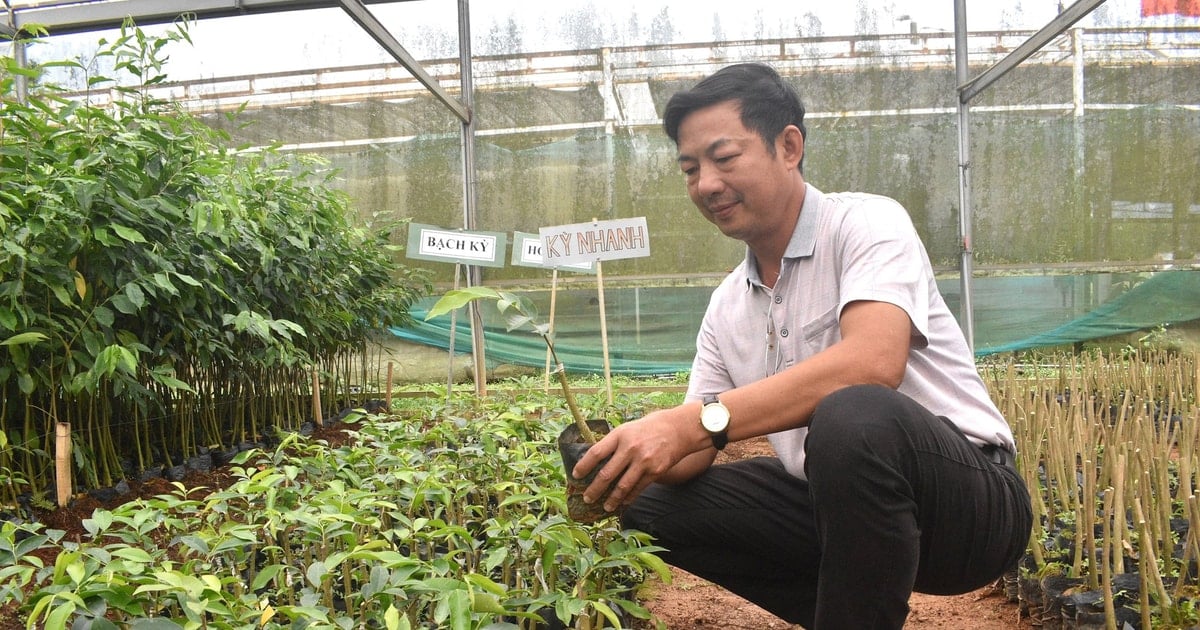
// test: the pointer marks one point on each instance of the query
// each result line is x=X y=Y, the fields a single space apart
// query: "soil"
x=688 y=603
x=692 y=603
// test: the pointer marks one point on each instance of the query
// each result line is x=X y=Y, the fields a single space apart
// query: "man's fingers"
x=595 y=453
x=605 y=476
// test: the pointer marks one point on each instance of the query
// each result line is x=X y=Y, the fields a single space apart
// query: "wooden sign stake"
x=388 y=386
x=316 y=387
x=62 y=461
x=604 y=332
x=453 y=334
x=550 y=325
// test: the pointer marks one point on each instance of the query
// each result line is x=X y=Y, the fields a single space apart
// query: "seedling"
x=518 y=313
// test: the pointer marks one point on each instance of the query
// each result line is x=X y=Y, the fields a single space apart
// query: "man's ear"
x=790 y=145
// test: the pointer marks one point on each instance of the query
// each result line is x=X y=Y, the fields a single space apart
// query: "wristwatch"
x=714 y=417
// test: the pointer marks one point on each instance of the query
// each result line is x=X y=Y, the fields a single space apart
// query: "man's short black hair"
x=767 y=103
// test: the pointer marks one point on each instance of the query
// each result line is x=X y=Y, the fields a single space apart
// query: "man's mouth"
x=717 y=208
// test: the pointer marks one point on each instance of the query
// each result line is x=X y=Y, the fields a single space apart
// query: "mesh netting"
x=652 y=330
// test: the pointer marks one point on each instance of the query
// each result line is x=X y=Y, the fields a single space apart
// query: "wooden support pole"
x=604 y=332
x=316 y=387
x=388 y=396
x=550 y=325
x=62 y=461
x=453 y=335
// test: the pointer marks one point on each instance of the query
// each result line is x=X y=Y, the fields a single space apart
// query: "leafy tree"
x=158 y=290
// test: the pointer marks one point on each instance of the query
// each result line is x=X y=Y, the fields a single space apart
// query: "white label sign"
x=595 y=241
x=427 y=242
x=527 y=252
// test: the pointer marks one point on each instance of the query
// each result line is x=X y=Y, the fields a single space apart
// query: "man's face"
x=732 y=176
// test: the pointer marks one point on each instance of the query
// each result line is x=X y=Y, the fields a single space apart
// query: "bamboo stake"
x=1189 y=544
x=388 y=395
x=62 y=461
x=1088 y=505
x=1150 y=574
x=316 y=399
x=1110 y=613
x=1117 y=553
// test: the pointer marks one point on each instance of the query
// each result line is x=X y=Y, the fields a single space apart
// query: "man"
x=894 y=470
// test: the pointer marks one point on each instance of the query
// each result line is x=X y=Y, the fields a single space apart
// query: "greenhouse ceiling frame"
x=74 y=17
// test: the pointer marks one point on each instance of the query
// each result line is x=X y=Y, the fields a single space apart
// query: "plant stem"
x=585 y=431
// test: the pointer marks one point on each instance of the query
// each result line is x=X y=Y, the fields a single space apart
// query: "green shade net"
x=1133 y=302
x=652 y=330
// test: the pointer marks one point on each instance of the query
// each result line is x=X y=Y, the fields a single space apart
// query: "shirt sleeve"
x=882 y=259
x=709 y=374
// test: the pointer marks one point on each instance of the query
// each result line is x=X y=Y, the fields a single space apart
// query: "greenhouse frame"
x=544 y=116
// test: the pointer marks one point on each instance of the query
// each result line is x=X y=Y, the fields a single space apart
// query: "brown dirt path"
x=692 y=603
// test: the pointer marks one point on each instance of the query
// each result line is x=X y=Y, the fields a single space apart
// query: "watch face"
x=714 y=417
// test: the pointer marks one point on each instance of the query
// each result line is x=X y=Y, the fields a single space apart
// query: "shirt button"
x=783 y=332
x=779 y=299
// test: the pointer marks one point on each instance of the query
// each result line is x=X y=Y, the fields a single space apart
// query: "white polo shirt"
x=845 y=247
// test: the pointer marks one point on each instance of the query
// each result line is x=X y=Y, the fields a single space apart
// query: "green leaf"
x=459 y=298
x=112 y=359
x=487 y=584
x=103 y=316
x=24 y=338
x=136 y=297
x=166 y=380
x=656 y=564
x=134 y=554
x=163 y=281
x=100 y=623
x=458 y=605
x=154 y=623
x=487 y=603
x=316 y=571
x=57 y=620
x=129 y=234
x=8 y=318
x=100 y=522
x=265 y=575
x=123 y=304
x=608 y=613
x=517 y=320
x=393 y=620
x=186 y=279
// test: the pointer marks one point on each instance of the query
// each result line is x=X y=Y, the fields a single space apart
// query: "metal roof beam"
x=80 y=17
x=380 y=33
x=1054 y=28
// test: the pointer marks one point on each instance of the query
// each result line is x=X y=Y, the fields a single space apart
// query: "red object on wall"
x=1190 y=8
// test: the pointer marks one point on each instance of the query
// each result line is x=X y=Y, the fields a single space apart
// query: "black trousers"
x=897 y=500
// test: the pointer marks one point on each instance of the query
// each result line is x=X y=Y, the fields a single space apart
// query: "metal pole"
x=10 y=30
x=966 y=262
x=470 y=214
x=22 y=82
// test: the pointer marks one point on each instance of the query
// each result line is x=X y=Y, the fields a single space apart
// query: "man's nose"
x=709 y=182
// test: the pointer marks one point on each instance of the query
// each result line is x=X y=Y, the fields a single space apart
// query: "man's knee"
x=852 y=423
x=854 y=402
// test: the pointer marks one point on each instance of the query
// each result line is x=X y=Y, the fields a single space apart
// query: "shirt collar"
x=804 y=235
